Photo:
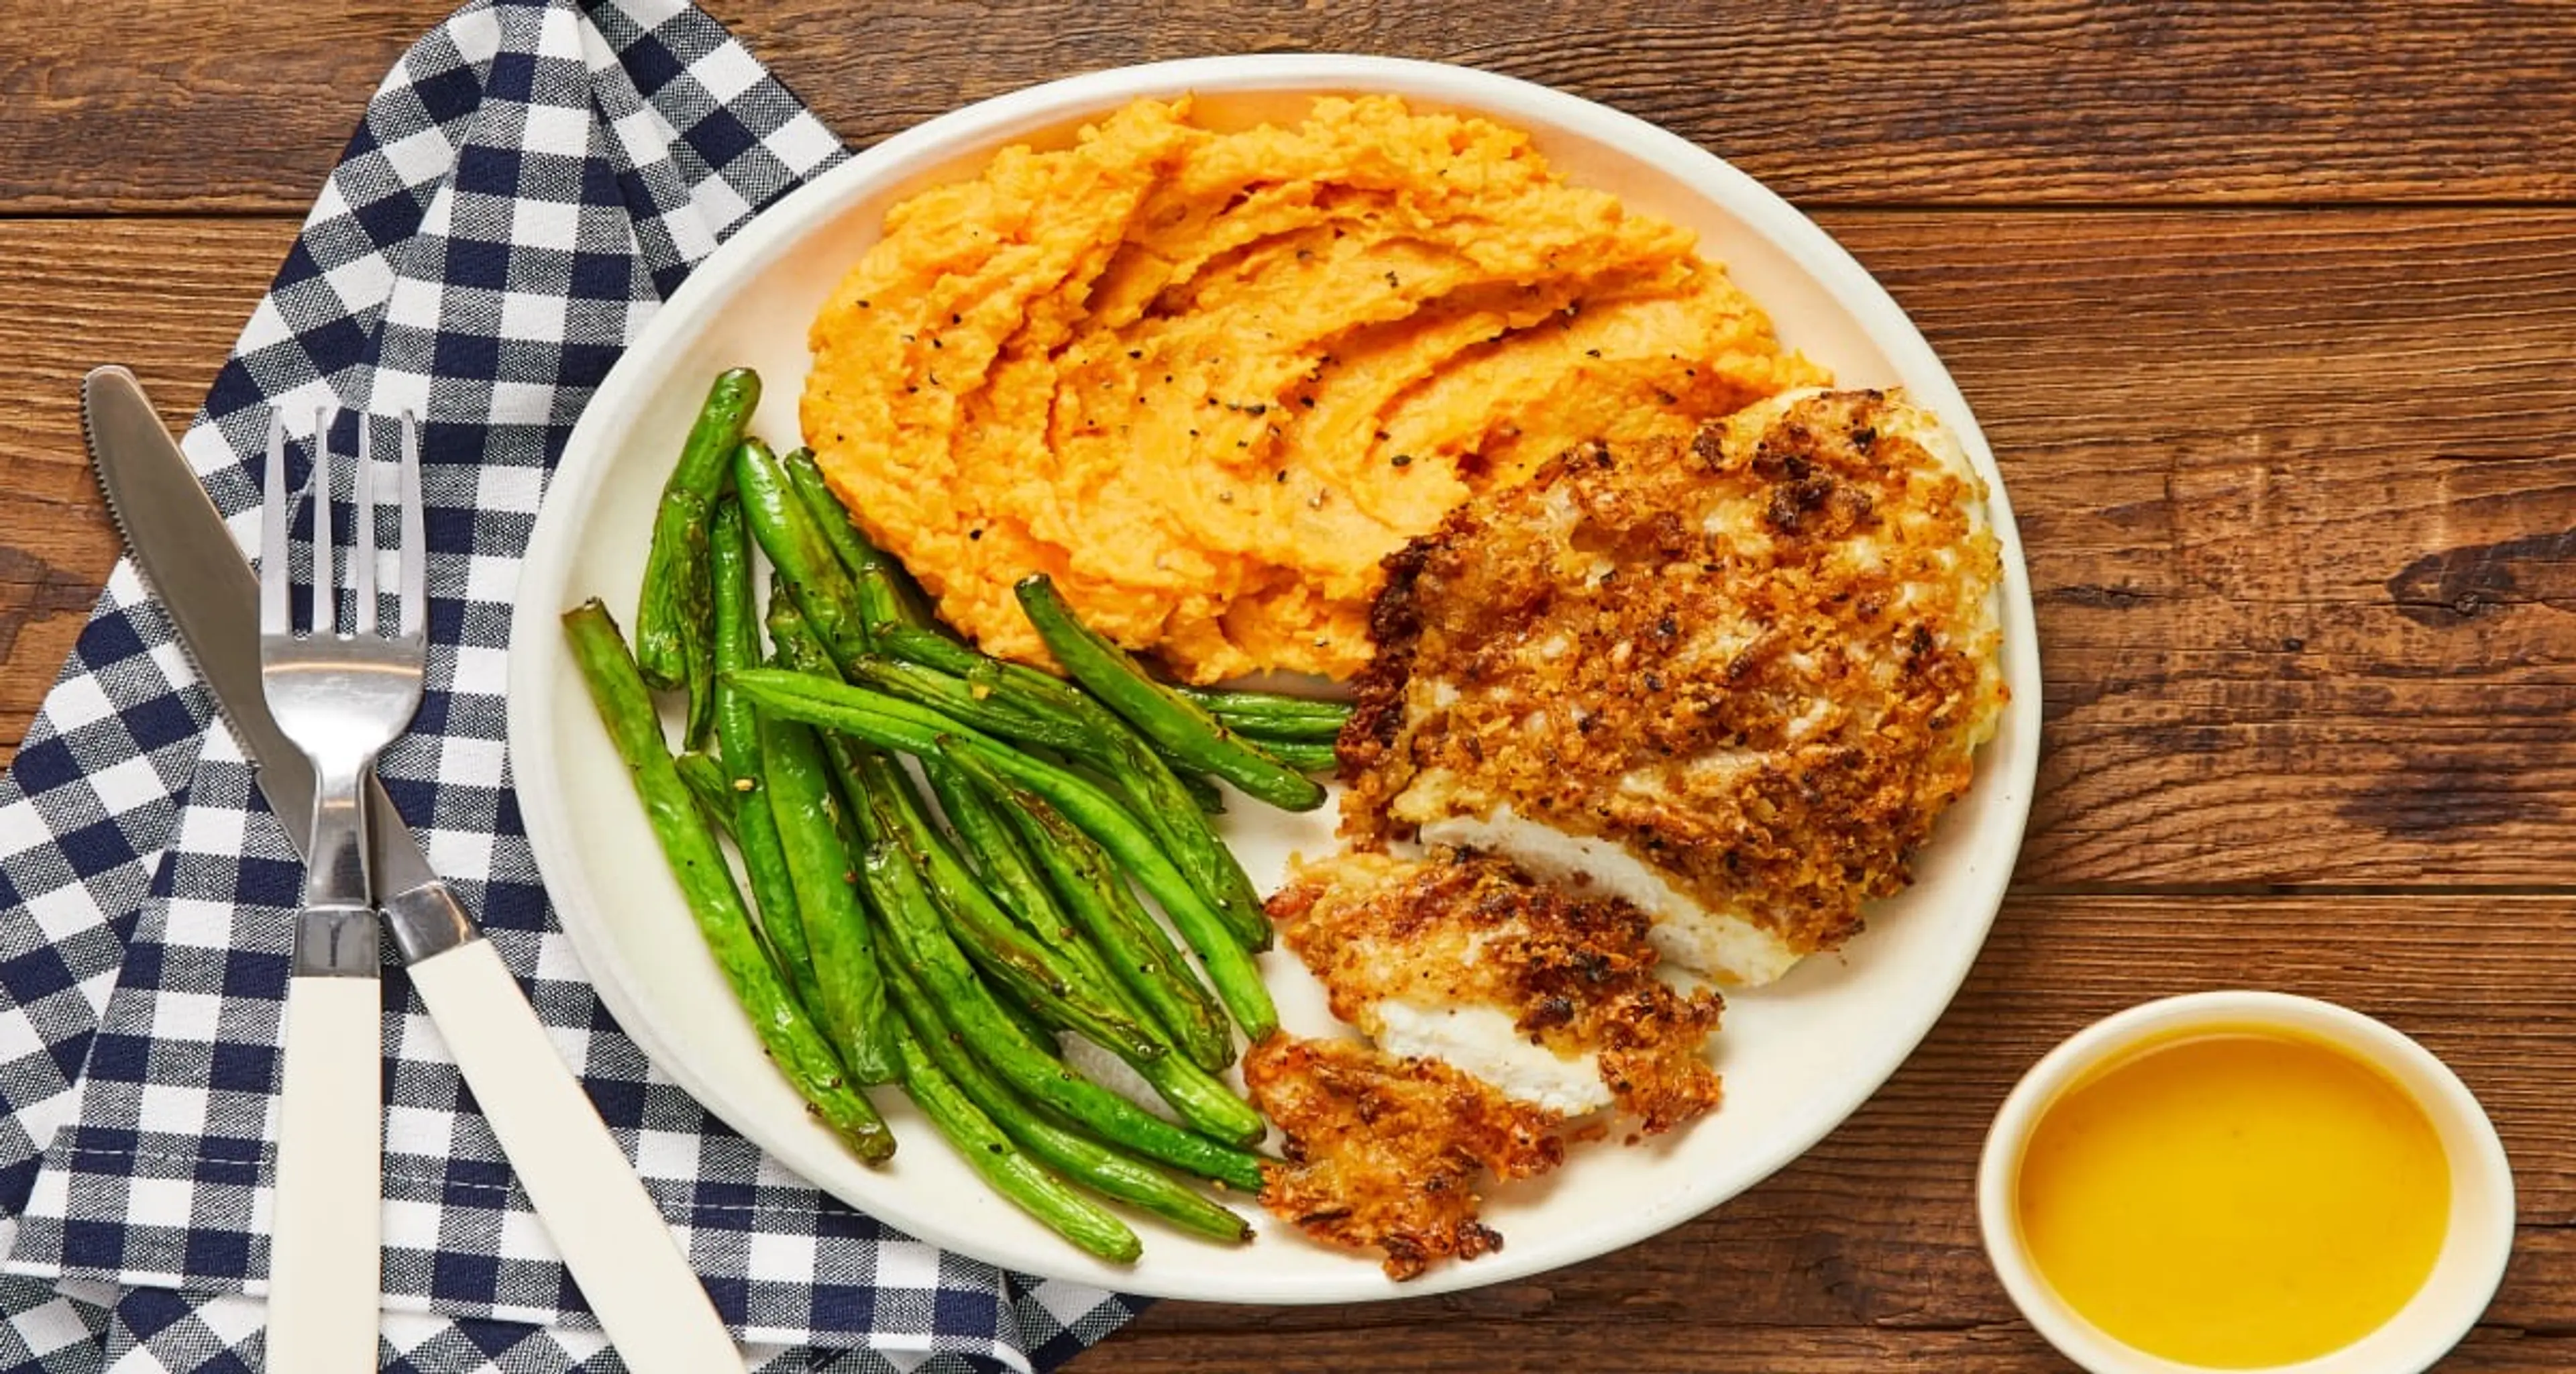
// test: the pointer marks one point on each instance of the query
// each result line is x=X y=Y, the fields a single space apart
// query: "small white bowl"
x=2474 y=1249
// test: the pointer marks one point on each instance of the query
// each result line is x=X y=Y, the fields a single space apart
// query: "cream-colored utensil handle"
x=613 y=1238
x=325 y=1246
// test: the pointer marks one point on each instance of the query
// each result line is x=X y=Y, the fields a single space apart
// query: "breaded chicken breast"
x=1733 y=681
x=1548 y=996
x=1386 y=1153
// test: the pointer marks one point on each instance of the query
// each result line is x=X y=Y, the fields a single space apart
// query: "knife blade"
x=612 y=1236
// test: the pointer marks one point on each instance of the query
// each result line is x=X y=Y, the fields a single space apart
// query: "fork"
x=341 y=695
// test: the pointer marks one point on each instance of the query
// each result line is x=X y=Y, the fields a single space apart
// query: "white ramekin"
x=2473 y=1254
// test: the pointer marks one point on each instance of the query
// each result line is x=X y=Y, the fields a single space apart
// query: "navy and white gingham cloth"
x=530 y=181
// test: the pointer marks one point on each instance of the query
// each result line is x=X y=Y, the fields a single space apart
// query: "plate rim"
x=584 y=462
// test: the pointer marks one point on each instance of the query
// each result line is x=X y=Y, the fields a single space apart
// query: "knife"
x=612 y=1237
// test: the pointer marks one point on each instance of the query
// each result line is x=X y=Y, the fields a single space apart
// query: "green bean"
x=1039 y=1030
x=993 y=712
x=791 y=637
x=738 y=734
x=1174 y=808
x=1097 y=735
x=674 y=606
x=674 y=639
x=885 y=597
x=1270 y=734
x=932 y=650
x=1163 y=796
x=867 y=769
x=798 y=650
x=708 y=784
x=803 y=558
x=773 y=882
x=1065 y=983
x=1270 y=716
x=1206 y=796
x=891 y=723
x=1163 y=715
x=1203 y=1102
x=916 y=600
x=1184 y=1080
x=1012 y=879
x=1303 y=755
x=1178 y=812
x=994 y=848
x=921 y=944
x=993 y=1154
x=793 y=1042
x=1086 y=1161
x=1133 y=946
x=1055 y=986
x=720 y=425
x=813 y=833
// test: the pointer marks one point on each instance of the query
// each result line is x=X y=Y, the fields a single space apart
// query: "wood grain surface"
x=220 y=105
x=2268 y=312
x=1864 y=1254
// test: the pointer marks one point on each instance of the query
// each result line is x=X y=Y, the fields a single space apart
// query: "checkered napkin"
x=527 y=185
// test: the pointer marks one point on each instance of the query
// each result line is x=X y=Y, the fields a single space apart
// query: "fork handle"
x=614 y=1240
x=325 y=1242
x=337 y=872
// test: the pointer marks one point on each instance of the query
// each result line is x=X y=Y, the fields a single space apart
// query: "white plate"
x=1798 y=1056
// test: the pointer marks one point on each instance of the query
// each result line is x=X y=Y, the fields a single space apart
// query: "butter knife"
x=612 y=1237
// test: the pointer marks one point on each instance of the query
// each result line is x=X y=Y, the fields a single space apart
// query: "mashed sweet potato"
x=1207 y=380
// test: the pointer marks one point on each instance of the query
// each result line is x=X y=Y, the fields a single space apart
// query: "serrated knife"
x=612 y=1237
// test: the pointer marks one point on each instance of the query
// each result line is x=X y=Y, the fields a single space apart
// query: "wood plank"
x=2296 y=492
x=1720 y=1342
x=1895 y=101
x=1864 y=1253
x=164 y=297
x=2294 y=488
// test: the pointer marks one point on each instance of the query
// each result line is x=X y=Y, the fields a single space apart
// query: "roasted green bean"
x=1132 y=945
x=1163 y=715
x=798 y=551
x=1100 y=1167
x=794 y=1043
x=738 y=735
x=709 y=785
x=886 y=596
x=995 y=1156
x=674 y=635
x=1174 y=805
x=1267 y=716
x=1063 y=989
x=1000 y=713
x=816 y=838
x=1305 y=756
x=921 y=943
x=891 y=723
x=1185 y=1081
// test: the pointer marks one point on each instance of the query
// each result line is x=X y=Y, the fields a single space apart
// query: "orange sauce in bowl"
x=2235 y=1199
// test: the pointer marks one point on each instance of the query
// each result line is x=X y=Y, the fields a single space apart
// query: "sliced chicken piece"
x=1388 y=1154
x=1732 y=681
x=1548 y=996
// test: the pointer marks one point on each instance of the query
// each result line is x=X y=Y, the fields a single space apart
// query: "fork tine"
x=326 y=552
x=273 y=572
x=415 y=538
x=362 y=578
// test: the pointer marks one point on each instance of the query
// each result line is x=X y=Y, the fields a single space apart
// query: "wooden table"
x=2270 y=314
